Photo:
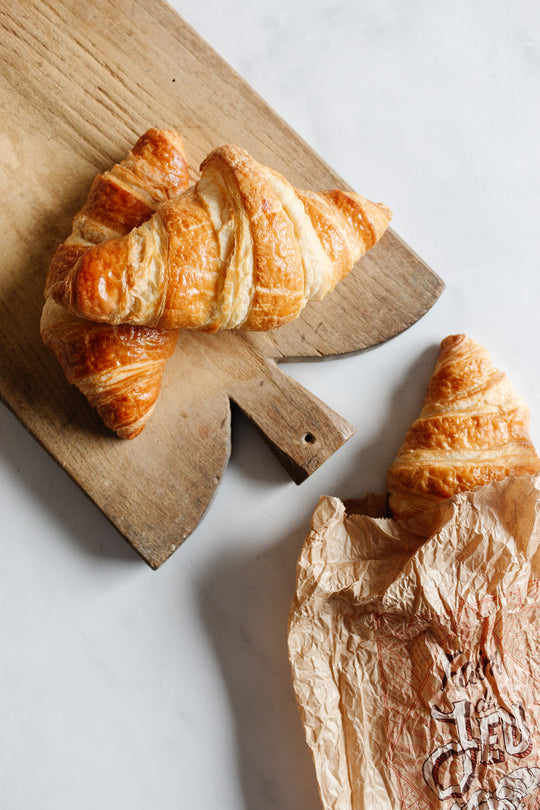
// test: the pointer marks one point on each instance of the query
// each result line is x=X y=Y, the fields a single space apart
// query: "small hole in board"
x=309 y=438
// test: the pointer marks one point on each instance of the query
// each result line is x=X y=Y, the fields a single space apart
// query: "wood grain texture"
x=79 y=84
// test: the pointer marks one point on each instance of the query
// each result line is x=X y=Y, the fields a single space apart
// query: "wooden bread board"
x=79 y=84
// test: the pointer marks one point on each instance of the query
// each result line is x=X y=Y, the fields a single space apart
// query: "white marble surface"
x=123 y=687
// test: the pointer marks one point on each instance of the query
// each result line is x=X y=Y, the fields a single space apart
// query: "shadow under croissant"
x=36 y=471
x=374 y=458
x=244 y=601
x=35 y=388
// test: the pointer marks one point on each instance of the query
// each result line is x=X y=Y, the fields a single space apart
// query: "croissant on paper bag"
x=118 y=368
x=240 y=249
x=472 y=429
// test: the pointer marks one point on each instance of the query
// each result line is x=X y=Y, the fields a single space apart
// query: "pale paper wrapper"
x=415 y=652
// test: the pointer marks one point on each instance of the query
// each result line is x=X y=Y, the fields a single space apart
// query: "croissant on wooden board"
x=241 y=248
x=473 y=428
x=118 y=368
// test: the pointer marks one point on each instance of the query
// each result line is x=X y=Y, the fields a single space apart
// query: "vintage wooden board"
x=78 y=84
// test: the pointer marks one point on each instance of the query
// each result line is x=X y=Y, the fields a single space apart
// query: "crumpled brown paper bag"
x=415 y=653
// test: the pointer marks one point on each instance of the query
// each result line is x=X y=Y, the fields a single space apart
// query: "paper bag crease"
x=415 y=653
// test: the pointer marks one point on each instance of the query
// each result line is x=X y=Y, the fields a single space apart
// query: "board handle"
x=301 y=430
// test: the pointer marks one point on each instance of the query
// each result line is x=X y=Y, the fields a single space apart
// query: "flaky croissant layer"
x=117 y=368
x=240 y=249
x=472 y=429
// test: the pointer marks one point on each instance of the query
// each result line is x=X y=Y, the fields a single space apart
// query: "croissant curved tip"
x=382 y=219
x=452 y=341
x=385 y=210
x=131 y=431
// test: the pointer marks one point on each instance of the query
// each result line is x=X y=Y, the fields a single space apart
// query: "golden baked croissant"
x=240 y=249
x=118 y=368
x=472 y=429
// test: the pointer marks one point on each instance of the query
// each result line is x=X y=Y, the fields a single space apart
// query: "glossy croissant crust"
x=240 y=249
x=118 y=368
x=472 y=429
